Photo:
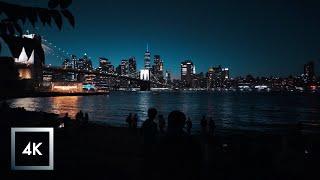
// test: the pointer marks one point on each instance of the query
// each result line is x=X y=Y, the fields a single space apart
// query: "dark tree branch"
x=18 y=13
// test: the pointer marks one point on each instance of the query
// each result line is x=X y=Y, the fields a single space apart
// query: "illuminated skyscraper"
x=168 y=77
x=74 y=61
x=147 y=57
x=124 y=67
x=217 y=76
x=132 y=66
x=84 y=63
x=157 y=68
x=105 y=65
x=188 y=70
x=309 y=72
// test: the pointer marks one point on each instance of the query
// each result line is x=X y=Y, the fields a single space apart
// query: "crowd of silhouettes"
x=81 y=119
x=158 y=124
x=169 y=151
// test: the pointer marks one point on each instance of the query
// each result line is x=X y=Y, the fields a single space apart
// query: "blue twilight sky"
x=262 y=37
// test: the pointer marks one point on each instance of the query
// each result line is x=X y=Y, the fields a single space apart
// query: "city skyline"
x=276 y=41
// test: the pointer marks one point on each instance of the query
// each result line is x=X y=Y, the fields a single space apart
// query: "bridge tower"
x=28 y=55
x=145 y=80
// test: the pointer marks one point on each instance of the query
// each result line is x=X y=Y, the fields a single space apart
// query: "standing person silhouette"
x=189 y=125
x=204 y=124
x=149 y=133
x=135 y=121
x=129 y=120
x=149 y=130
x=162 y=124
x=212 y=126
x=179 y=155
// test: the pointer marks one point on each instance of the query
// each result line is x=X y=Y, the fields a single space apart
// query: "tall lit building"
x=67 y=64
x=84 y=63
x=167 y=77
x=188 y=70
x=309 y=72
x=74 y=61
x=124 y=67
x=147 y=59
x=225 y=73
x=132 y=66
x=157 y=68
x=105 y=65
x=217 y=76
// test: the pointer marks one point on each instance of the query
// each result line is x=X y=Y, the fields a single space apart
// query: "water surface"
x=243 y=111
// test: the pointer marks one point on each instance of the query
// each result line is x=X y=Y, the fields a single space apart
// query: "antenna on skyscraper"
x=147 y=47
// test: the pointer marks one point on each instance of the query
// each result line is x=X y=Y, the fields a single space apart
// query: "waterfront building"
x=167 y=77
x=157 y=68
x=217 y=76
x=132 y=66
x=67 y=76
x=309 y=72
x=105 y=65
x=66 y=87
x=124 y=67
x=188 y=71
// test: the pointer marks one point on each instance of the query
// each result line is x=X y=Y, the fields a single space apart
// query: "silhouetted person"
x=179 y=157
x=149 y=132
x=212 y=126
x=129 y=120
x=86 y=119
x=135 y=121
x=79 y=117
x=204 y=124
x=149 y=128
x=66 y=121
x=162 y=124
x=189 y=125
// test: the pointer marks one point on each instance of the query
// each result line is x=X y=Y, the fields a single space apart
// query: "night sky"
x=267 y=37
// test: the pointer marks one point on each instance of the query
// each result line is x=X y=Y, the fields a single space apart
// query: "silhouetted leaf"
x=3 y=28
x=32 y=16
x=21 y=14
x=15 y=13
x=11 y=29
x=53 y=4
x=69 y=16
x=44 y=17
x=18 y=28
x=57 y=18
x=65 y=3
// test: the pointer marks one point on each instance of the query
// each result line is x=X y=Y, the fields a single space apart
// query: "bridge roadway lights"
x=145 y=86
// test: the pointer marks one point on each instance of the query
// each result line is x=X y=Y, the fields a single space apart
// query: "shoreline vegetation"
x=90 y=150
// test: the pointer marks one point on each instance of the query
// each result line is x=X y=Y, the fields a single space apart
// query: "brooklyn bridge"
x=29 y=62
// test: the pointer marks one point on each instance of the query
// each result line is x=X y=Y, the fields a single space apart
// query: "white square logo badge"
x=31 y=148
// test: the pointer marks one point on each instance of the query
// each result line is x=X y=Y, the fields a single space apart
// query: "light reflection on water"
x=239 y=111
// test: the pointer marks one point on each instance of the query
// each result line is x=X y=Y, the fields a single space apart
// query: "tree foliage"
x=17 y=15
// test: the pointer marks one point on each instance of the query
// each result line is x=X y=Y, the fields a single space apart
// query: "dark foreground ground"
x=99 y=152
